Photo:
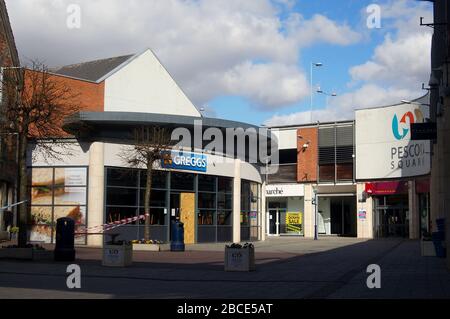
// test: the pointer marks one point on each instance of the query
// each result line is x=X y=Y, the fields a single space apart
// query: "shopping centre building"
x=368 y=178
x=217 y=195
x=363 y=178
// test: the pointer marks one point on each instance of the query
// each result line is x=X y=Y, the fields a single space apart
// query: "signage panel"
x=184 y=161
x=384 y=148
x=285 y=190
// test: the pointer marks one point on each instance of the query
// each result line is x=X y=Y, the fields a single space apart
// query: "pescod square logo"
x=412 y=155
x=405 y=123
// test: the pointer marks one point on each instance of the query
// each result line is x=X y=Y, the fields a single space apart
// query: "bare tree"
x=35 y=112
x=150 y=146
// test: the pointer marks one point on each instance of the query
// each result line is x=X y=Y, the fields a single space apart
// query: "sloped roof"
x=93 y=70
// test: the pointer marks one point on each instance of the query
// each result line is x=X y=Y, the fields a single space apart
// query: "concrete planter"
x=42 y=254
x=240 y=259
x=117 y=255
x=427 y=248
x=26 y=254
x=150 y=247
x=4 y=235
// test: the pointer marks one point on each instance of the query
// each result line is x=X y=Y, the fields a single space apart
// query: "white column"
x=237 y=202
x=364 y=226
x=263 y=211
x=309 y=211
x=96 y=191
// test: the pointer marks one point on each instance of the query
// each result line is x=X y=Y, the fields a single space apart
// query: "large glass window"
x=215 y=200
x=56 y=193
x=336 y=153
x=125 y=198
x=250 y=210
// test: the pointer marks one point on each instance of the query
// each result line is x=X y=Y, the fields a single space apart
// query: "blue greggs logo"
x=417 y=118
x=184 y=161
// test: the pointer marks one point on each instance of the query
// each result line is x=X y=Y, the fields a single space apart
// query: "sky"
x=248 y=60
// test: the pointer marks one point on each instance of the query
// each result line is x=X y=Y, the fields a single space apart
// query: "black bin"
x=177 y=242
x=65 y=240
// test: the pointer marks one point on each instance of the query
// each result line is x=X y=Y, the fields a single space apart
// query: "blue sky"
x=247 y=60
x=334 y=75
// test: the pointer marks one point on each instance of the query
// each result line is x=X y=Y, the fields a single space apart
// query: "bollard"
x=177 y=242
x=65 y=240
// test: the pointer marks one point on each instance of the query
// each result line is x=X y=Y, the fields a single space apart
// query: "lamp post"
x=327 y=95
x=313 y=64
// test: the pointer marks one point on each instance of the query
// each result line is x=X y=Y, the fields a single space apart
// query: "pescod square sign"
x=384 y=148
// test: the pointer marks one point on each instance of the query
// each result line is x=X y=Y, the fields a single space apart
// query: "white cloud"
x=396 y=70
x=211 y=47
x=342 y=107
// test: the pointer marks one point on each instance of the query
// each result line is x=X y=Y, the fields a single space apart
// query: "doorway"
x=182 y=208
x=392 y=216
x=337 y=215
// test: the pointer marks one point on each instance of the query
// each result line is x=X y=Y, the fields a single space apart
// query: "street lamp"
x=327 y=95
x=313 y=64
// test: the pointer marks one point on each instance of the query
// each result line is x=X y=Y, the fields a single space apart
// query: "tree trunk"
x=148 y=188
x=23 y=216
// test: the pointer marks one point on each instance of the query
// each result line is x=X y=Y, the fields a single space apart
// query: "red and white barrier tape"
x=109 y=226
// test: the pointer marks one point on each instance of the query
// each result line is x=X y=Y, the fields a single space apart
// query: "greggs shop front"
x=218 y=198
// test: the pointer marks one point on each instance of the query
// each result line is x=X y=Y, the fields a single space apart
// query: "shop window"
x=225 y=184
x=224 y=218
x=56 y=193
x=207 y=183
x=122 y=177
x=336 y=152
x=77 y=213
x=182 y=181
x=70 y=195
x=245 y=219
x=114 y=214
x=159 y=179
x=206 y=217
x=157 y=216
x=206 y=200
x=288 y=156
x=121 y=196
x=157 y=198
x=224 y=201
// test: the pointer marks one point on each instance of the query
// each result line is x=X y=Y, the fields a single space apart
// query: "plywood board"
x=187 y=216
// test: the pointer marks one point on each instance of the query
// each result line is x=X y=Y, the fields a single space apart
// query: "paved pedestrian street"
x=286 y=267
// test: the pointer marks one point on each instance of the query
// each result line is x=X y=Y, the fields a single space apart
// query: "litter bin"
x=65 y=239
x=177 y=232
x=438 y=239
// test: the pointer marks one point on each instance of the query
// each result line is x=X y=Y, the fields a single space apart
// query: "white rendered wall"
x=364 y=226
x=144 y=85
x=287 y=139
x=72 y=154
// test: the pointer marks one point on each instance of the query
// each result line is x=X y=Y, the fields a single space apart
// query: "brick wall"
x=91 y=96
x=307 y=160
x=85 y=96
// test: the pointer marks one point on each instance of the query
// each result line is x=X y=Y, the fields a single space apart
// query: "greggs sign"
x=384 y=148
x=184 y=161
